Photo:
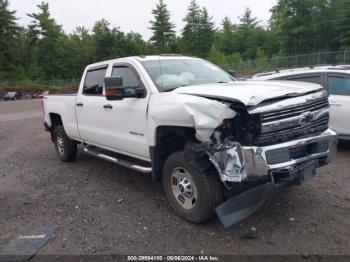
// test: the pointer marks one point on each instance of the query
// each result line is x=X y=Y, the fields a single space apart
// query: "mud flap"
x=241 y=206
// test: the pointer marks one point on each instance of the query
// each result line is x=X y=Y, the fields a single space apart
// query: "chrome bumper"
x=256 y=161
x=260 y=161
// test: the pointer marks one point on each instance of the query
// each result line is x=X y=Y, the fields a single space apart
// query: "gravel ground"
x=105 y=209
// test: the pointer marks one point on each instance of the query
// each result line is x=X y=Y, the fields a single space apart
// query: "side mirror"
x=114 y=88
x=116 y=91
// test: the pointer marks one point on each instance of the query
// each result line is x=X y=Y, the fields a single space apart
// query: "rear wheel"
x=192 y=194
x=66 y=148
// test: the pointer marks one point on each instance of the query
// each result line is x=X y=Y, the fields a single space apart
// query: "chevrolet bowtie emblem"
x=306 y=117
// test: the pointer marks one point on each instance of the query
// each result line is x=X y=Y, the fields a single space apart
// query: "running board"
x=121 y=162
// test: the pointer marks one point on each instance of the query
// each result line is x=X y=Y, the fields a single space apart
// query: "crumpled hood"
x=250 y=93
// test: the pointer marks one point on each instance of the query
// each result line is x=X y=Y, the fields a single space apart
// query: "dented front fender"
x=171 y=109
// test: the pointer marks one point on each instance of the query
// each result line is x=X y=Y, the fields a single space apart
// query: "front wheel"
x=193 y=195
x=66 y=148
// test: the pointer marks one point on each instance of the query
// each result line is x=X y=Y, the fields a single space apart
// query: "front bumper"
x=237 y=208
x=285 y=157
x=278 y=166
x=236 y=163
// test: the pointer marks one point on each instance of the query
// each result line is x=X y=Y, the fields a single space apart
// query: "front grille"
x=298 y=130
x=294 y=110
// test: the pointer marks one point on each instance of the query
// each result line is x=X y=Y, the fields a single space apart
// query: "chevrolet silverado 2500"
x=216 y=143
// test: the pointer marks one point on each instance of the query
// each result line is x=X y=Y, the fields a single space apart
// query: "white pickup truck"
x=217 y=144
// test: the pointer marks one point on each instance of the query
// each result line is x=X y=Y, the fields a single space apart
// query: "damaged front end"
x=241 y=157
x=229 y=162
x=257 y=148
x=225 y=148
x=251 y=165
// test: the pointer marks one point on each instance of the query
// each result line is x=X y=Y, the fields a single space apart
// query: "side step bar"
x=121 y=162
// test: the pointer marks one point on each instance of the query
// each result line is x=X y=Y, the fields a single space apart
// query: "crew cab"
x=335 y=79
x=217 y=144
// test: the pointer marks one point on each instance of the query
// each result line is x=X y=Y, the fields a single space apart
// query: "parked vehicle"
x=13 y=95
x=335 y=79
x=189 y=123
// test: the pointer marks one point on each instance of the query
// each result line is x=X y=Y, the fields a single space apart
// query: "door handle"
x=108 y=106
x=80 y=104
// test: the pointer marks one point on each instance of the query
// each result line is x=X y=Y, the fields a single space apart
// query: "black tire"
x=62 y=141
x=208 y=187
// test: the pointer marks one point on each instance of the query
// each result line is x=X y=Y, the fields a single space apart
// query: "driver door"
x=125 y=121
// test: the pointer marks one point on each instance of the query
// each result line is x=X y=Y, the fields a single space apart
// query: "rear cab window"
x=94 y=80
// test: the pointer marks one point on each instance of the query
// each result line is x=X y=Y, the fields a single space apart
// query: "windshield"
x=168 y=74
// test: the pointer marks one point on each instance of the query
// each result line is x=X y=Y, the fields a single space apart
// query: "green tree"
x=9 y=33
x=249 y=35
x=81 y=52
x=206 y=32
x=342 y=12
x=234 y=58
x=135 y=44
x=163 y=30
x=190 y=32
x=217 y=57
x=247 y=21
x=226 y=37
x=103 y=38
x=303 y=26
x=50 y=43
x=44 y=51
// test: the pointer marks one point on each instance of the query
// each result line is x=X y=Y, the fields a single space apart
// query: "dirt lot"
x=105 y=209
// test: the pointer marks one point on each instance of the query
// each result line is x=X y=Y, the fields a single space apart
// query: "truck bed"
x=64 y=106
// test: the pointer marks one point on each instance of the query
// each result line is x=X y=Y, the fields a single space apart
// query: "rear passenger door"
x=339 y=98
x=89 y=106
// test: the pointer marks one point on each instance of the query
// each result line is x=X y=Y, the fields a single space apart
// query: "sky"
x=134 y=15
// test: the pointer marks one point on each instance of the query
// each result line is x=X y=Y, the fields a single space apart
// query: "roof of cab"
x=142 y=58
x=162 y=57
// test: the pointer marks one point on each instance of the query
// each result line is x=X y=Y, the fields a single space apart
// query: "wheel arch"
x=56 y=120
x=169 y=139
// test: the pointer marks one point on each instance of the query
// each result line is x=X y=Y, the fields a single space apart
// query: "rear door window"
x=94 y=80
x=339 y=85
